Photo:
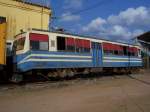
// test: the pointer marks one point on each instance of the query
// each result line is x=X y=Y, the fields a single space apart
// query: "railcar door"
x=97 y=54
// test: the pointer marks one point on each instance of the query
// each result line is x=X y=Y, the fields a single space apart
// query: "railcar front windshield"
x=19 y=44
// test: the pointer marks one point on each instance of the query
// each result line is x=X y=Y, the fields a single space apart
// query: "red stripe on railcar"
x=133 y=49
x=86 y=44
x=38 y=37
x=79 y=43
x=70 y=41
x=110 y=46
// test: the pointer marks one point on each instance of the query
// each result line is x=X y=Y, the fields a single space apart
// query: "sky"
x=119 y=20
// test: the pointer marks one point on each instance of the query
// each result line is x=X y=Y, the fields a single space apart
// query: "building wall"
x=2 y=41
x=23 y=16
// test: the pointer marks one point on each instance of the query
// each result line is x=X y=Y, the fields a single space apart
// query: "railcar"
x=63 y=54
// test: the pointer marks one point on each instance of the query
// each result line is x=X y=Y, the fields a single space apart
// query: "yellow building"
x=23 y=15
x=2 y=41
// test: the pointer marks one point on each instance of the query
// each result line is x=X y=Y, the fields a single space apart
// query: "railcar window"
x=79 y=45
x=128 y=53
x=116 y=52
x=108 y=52
x=87 y=50
x=120 y=52
x=82 y=46
x=43 y=46
x=86 y=45
x=79 y=49
x=70 y=44
x=125 y=51
x=61 y=43
x=20 y=44
x=34 y=45
x=37 y=45
x=38 y=41
x=71 y=48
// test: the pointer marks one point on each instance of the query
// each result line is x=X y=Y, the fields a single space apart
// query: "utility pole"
x=147 y=58
x=42 y=14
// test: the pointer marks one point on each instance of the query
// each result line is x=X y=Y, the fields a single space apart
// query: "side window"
x=133 y=51
x=79 y=45
x=43 y=46
x=108 y=52
x=116 y=52
x=61 y=43
x=86 y=46
x=82 y=46
x=38 y=41
x=120 y=52
x=34 y=45
x=125 y=50
x=70 y=44
x=113 y=49
x=20 y=44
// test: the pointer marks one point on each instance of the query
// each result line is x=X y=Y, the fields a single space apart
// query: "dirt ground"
x=103 y=94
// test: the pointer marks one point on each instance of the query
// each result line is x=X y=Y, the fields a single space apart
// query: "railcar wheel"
x=16 y=78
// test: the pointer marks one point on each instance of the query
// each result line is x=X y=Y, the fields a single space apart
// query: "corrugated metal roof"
x=31 y=3
x=145 y=37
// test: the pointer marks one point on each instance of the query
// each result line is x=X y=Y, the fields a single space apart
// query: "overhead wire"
x=96 y=5
x=85 y=9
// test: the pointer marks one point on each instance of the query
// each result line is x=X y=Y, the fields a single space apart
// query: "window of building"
x=2 y=20
x=38 y=41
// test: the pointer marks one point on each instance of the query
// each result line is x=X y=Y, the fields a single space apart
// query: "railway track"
x=59 y=82
x=40 y=82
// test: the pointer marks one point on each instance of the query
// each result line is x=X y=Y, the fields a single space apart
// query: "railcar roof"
x=84 y=36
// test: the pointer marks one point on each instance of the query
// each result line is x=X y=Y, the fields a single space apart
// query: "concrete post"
x=147 y=59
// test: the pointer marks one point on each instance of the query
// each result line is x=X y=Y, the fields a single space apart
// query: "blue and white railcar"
x=54 y=50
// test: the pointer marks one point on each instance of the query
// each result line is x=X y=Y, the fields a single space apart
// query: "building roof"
x=145 y=37
x=31 y=3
